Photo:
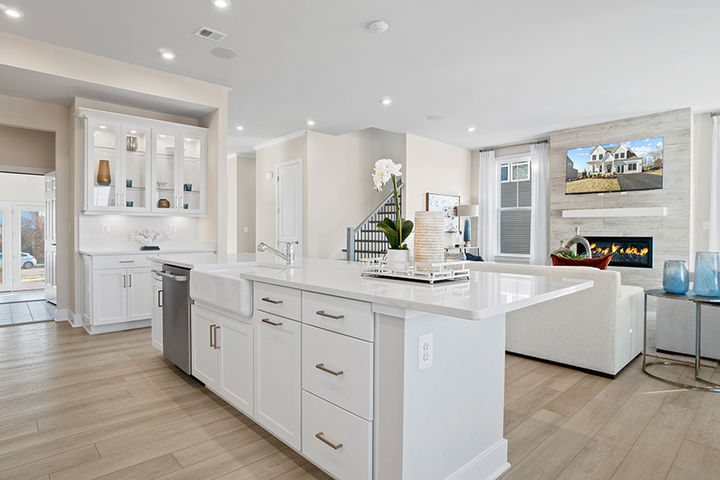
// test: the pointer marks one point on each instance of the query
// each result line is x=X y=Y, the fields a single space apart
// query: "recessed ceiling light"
x=239 y=128
x=167 y=54
x=310 y=122
x=386 y=101
x=221 y=3
x=378 y=26
x=12 y=12
x=133 y=131
x=471 y=129
x=434 y=117
x=103 y=127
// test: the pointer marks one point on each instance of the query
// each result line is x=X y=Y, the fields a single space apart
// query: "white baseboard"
x=65 y=315
x=489 y=465
x=116 y=327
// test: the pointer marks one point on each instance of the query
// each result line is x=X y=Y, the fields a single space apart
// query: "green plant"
x=396 y=231
x=571 y=254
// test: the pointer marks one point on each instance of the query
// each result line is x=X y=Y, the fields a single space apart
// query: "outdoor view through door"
x=31 y=257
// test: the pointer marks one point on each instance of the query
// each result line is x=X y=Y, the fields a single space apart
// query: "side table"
x=699 y=301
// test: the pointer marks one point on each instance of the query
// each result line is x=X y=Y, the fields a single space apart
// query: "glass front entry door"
x=28 y=252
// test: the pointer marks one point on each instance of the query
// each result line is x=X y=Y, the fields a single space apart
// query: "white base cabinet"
x=223 y=354
x=157 y=313
x=117 y=293
x=277 y=405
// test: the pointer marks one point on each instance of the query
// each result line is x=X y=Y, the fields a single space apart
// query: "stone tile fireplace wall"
x=671 y=233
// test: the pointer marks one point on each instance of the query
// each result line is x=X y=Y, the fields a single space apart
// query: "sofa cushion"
x=599 y=262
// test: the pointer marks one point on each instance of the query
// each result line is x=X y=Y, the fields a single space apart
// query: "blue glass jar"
x=676 y=278
x=707 y=274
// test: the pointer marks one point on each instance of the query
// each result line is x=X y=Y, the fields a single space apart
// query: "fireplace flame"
x=615 y=248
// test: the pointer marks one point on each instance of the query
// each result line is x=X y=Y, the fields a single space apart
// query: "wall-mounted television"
x=615 y=167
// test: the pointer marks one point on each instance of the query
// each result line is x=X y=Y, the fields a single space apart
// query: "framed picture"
x=436 y=202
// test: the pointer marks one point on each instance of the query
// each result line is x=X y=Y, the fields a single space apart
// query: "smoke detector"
x=211 y=34
x=378 y=26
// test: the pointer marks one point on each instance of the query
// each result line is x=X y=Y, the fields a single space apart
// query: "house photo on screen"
x=615 y=167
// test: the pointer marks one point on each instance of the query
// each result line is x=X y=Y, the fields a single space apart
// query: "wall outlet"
x=246 y=229
x=106 y=228
x=706 y=225
x=425 y=351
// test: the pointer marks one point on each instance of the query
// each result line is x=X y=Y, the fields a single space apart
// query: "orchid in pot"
x=397 y=230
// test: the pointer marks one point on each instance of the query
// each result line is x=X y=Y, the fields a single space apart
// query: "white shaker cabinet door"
x=109 y=290
x=157 y=316
x=237 y=363
x=277 y=402
x=140 y=299
x=205 y=357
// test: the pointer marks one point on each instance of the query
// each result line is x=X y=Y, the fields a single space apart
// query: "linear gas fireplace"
x=627 y=251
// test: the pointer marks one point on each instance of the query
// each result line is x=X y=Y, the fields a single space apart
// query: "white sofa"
x=675 y=328
x=599 y=329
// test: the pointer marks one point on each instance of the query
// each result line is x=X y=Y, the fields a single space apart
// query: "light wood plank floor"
x=76 y=407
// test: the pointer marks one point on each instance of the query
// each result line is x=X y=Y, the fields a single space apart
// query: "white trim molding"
x=277 y=140
x=616 y=212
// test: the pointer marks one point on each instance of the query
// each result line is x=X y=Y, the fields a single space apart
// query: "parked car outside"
x=27 y=260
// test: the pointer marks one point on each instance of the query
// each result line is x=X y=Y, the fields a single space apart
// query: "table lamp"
x=467 y=211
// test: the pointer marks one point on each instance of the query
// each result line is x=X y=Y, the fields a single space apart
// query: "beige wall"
x=48 y=117
x=246 y=204
x=265 y=161
x=26 y=150
x=436 y=167
x=22 y=188
x=340 y=190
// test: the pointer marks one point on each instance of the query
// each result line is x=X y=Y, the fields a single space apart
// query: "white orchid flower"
x=384 y=170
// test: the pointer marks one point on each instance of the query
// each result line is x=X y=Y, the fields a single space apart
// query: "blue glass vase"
x=676 y=278
x=707 y=274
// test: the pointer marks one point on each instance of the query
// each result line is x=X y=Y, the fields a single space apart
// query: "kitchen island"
x=366 y=378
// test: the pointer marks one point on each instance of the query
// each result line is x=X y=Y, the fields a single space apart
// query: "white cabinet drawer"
x=120 y=261
x=350 y=317
x=281 y=301
x=337 y=441
x=339 y=369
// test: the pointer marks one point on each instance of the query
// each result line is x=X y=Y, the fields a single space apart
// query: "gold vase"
x=103 y=176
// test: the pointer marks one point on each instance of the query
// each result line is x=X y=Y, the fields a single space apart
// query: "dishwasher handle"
x=177 y=278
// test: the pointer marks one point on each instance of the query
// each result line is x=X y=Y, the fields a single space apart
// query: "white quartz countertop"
x=206 y=260
x=486 y=293
x=146 y=252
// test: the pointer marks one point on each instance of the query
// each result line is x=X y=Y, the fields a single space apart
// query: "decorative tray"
x=445 y=272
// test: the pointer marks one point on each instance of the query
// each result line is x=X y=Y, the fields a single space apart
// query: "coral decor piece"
x=148 y=237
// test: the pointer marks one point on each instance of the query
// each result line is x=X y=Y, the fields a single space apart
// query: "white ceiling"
x=514 y=69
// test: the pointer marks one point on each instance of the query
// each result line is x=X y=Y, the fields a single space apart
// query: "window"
x=594 y=157
x=622 y=154
x=515 y=206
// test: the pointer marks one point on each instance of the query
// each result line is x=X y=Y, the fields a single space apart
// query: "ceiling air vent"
x=210 y=34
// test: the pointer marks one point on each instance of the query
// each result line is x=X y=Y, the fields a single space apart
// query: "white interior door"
x=28 y=252
x=50 y=237
x=5 y=250
x=289 y=197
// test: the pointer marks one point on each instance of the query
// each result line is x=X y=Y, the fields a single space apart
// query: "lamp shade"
x=468 y=210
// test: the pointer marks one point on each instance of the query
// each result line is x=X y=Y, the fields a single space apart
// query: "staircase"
x=366 y=240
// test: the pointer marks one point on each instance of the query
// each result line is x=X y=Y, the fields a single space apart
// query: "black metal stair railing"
x=366 y=240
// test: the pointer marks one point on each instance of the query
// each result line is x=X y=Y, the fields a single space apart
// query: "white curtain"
x=540 y=180
x=487 y=198
x=714 y=240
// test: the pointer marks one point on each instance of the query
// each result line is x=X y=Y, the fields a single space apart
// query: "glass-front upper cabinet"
x=192 y=174
x=165 y=191
x=141 y=166
x=103 y=159
x=135 y=181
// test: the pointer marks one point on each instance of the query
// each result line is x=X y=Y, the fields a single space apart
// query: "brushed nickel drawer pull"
x=321 y=366
x=270 y=300
x=212 y=328
x=215 y=346
x=320 y=437
x=274 y=324
x=329 y=315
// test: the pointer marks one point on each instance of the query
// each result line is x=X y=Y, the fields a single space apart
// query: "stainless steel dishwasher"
x=176 y=316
